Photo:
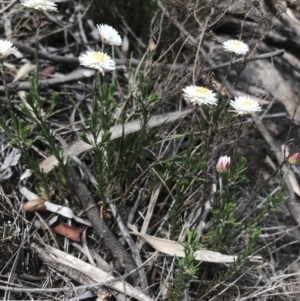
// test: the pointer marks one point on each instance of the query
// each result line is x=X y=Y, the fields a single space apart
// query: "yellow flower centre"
x=236 y=43
x=202 y=90
x=246 y=103
x=100 y=57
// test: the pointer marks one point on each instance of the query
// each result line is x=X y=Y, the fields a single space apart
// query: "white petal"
x=97 y=60
x=6 y=48
x=109 y=35
x=42 y=5
x=236 y=46
x=245 y=105
x=199 y=95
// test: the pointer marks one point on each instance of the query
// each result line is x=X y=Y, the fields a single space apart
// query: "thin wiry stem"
x=37 y=53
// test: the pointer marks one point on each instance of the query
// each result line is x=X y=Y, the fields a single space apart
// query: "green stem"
x=221 y=187
x=5 y=86
x=286 y=173
x=114 y=72
x=7 y=96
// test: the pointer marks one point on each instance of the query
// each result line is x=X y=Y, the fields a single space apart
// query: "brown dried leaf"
x=70 y=232
x=46 y=72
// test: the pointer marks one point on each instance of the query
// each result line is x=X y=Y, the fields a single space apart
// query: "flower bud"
x=152 y=45
x=223 y=164
x=293 y=159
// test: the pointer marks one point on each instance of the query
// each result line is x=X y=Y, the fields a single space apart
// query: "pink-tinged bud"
x=223 y=164
x=152 y=45
x=293 y=159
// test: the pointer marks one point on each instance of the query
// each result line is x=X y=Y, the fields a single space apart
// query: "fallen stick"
x=123 y=260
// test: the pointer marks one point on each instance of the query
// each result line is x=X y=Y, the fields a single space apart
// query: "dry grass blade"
x=24 y=70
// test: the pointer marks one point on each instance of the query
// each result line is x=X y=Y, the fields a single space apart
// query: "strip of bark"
x=72 y=273
x=123 y=258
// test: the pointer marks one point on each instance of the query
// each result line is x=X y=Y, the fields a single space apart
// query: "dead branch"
x=124 y=261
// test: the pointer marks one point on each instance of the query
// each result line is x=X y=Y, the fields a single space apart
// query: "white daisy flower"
x=6 y=48
x=245 y=105
x=199 y=95
x=109 y=35
x=235 y=46
x=42 y=5
x=97 y=60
